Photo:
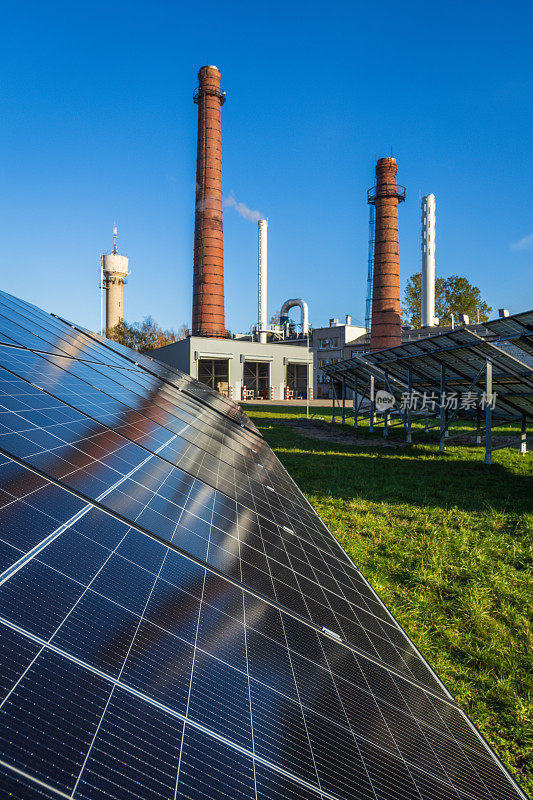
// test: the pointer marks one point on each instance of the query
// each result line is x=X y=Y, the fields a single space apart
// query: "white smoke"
x=241 y=208
x=523 y=244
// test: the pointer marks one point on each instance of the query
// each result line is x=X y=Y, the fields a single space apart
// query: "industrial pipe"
x=286 y=307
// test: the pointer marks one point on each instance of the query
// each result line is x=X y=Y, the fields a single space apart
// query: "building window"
x=215 y=373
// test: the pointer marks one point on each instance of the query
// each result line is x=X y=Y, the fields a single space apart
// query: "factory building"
x=333 y=344
x=239 y=367
x=285 y=361
x=243 y=369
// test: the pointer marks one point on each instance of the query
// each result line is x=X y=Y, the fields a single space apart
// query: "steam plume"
x=242 y=209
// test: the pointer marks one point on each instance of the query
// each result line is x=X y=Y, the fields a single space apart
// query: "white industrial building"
x=332 y=344
x=244 y=369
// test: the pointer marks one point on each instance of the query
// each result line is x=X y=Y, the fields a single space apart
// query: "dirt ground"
x=329 y=432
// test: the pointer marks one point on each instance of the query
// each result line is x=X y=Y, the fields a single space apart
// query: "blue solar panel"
x=170 y=626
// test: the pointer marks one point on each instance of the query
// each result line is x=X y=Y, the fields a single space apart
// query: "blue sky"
x=98 y=126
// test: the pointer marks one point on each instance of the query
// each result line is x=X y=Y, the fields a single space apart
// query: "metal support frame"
x=443 y=416
x=449 y=420
x=408 y=438
x=355 y=408
x=372 y=400
x=488 y=413
x=333 y=399
x=386 y=423
x=443 y=426
x=386 y=413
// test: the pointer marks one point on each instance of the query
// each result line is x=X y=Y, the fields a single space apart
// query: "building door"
x=215 y=373
x=256 y=378
x=297 y=380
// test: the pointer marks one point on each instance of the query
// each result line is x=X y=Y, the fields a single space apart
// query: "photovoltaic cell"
x=172 y=628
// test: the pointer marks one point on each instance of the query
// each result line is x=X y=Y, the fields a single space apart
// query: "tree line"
x=453 y=295
x=146 y=335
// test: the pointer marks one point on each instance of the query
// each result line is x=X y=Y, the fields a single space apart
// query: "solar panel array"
x=463 y=356
x=175 y=619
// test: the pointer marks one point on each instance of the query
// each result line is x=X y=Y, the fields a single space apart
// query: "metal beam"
x=442 y=411
x=372 y=399
x=488 y=414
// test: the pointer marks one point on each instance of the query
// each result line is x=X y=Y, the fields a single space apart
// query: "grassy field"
x=447 y=543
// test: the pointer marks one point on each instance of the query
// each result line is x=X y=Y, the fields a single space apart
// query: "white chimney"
x=428 y=261
x=262 y=281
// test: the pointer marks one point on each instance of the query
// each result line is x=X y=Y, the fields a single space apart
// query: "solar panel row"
x=459 y=357
x=163 y=636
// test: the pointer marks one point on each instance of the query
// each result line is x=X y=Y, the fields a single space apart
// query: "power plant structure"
x=428 y=261
x=114 y=271
x=208 y=317
x=262 y=321
x=283 y=360
x=386 y=327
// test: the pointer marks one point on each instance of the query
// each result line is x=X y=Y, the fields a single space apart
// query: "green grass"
x=446 y=541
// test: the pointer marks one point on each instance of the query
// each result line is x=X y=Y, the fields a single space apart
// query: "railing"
x=386 y=190
x=207 y=90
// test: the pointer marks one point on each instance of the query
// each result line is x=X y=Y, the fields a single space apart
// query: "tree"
x=453 y=295
x=146 y=335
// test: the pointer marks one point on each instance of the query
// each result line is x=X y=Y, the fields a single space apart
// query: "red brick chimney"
x=386 y=327
x=208 y=272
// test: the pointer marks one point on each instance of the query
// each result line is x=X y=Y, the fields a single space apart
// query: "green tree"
x=146 y=335
x=453 y=295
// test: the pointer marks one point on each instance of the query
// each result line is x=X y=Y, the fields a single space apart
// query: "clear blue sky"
x=98 y=125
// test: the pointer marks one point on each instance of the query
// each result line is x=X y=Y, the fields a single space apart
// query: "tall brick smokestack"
x=386 y=327
x=208 y=273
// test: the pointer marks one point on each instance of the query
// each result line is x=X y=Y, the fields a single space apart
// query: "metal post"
x=488 y=413
x=355 y=409
x=523 y=431
x=101 y=295
x=442 y=411
x=385 y=415
x=478 y=427
x=343 y=401
x=409 y=390
x=372 y=394
x=334 y=398
x=309 y=382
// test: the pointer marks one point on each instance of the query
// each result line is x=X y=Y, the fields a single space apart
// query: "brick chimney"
x=386 y=327
x=208 y=272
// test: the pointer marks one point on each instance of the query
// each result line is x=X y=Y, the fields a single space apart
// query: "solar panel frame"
x=162 y=657
x=463 y=355
x=330 y=652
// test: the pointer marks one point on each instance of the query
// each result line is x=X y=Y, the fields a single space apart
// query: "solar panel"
x=175 y=619
x=515 y=325
x=462 y=354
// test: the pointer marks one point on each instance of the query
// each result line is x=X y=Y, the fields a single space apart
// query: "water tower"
x=114 y=273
